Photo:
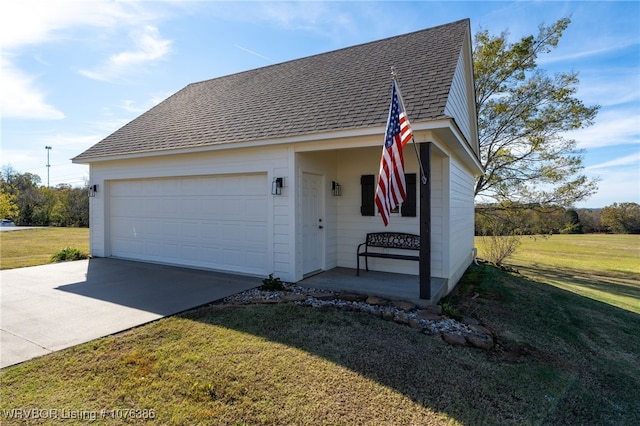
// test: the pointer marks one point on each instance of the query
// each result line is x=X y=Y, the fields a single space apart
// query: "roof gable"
x=339 y=90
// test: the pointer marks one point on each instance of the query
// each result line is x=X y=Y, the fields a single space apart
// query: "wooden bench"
x=388 y=240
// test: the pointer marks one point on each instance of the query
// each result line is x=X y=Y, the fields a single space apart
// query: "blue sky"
x=73 y=72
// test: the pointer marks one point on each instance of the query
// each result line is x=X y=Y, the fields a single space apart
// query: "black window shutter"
x=367 y=207
x=408 y=208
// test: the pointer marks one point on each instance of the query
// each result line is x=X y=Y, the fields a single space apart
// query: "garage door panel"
x=170 y=250
x=254 y=234
x=211 y=207
x=213 y=222
x=191 y=207
x=233 y=257
x=210 y=230
x=191 y=230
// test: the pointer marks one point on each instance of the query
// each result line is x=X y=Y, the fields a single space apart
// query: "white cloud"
x=24 y=23
x=616 y=186
x=583 y=50
x=622 y=161
x=619 y=126
x=31 y=22
x=611 y=87
x=330 y=20
x=149 y=47
x=21 y=98
x=619 y=181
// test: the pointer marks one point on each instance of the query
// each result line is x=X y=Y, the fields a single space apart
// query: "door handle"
x=320 y=227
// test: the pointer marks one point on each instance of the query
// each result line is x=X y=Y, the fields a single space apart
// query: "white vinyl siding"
x=458 y=102
x=269 y=162
x=461 y=220
x=439 y=215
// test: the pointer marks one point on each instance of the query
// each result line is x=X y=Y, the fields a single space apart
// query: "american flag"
x=391 y=189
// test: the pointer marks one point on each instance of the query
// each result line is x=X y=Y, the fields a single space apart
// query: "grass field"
x=600 y=266
x=32 y=247
x=561 y=358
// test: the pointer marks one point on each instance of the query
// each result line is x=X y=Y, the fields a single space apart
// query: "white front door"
x=313 y=223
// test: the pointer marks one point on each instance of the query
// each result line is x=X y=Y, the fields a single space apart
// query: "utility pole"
x=48 y=148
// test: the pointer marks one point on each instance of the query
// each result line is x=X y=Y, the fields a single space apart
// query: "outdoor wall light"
x=92 y=190
x=336 y=189
x=276 y=186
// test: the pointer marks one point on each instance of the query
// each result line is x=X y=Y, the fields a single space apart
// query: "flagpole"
x=394 y=73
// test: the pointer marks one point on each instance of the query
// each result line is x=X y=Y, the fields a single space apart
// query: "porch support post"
x=425 y=222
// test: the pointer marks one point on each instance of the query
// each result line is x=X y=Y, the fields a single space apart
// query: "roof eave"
x=455 y=140
x=445 y=128
x=340 y=134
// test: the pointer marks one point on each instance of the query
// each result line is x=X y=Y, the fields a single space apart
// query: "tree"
x=522 y=114
x=72 y=208
x=23 y=199
x=24 y=187
x=8 y=207
x=590 y=220
x=573 y=223
x=623 y=218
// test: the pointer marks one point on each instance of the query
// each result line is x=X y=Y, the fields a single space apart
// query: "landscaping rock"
x=426 y=315
x=403 y=306
x=428 y=320
x=415 y=323
x=434 y=309
x=480 y=329
x=454 y=339
x=294 y=297
x=388 y=314
x=352 y=297
x=265 y=301
x=324 y=296
x=470 y=321
x=481 y=341
x=377 y=301
x=401 y=318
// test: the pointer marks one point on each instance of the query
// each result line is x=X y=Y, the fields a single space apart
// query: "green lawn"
x=561 y=358
x=34 y=247
x=600 y=266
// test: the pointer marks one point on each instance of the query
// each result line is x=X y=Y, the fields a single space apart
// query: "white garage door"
x=216 y=222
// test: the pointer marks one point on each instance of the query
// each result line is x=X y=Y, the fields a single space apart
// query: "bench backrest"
x=397 y=240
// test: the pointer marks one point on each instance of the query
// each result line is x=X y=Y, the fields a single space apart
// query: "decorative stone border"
x=467 y=332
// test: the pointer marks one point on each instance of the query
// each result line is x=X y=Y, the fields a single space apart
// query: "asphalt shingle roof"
x=343 y=89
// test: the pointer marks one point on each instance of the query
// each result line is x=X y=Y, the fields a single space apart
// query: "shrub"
x=450 y=310
x=271 y=284
x=500 y=247
x=68 y=253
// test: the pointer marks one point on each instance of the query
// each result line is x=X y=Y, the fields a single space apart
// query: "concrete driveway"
x=52 y=307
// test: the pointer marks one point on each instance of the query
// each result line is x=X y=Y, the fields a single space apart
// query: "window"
x=368 y=190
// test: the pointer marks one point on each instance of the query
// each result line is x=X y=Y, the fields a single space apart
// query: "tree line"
x=25 y=201
x=531 y=219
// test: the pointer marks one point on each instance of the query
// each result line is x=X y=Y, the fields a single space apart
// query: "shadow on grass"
x=571 y=366
x=616 y=287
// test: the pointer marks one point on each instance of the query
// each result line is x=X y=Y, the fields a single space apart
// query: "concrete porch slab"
x=384 y=284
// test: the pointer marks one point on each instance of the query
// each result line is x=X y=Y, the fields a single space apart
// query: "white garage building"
x=189 y=182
